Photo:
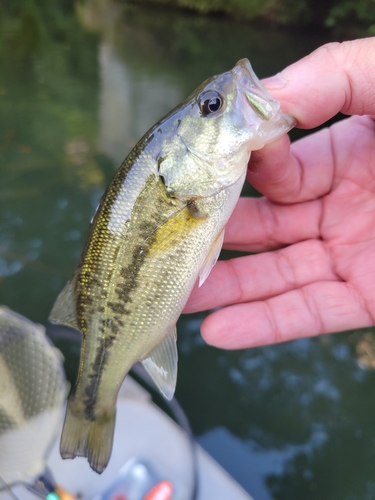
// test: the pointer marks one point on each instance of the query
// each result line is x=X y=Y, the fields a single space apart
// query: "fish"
x=158 y=228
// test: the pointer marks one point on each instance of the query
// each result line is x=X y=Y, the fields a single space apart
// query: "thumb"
x=336 y=77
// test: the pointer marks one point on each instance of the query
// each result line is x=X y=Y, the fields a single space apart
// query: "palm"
x=315 y=225
x=321 y=278
x=347 y=225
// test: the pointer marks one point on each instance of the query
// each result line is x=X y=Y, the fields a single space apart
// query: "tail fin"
x=88 y=438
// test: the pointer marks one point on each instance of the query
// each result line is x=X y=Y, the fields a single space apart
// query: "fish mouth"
x=264 y=105
x=270 y=122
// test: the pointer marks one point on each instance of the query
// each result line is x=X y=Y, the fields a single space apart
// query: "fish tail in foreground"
x=84 y=438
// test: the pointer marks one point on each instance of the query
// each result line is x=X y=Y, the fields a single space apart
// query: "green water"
x=79 y=84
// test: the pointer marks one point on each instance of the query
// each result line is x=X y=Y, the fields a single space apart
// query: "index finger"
x=336 y=77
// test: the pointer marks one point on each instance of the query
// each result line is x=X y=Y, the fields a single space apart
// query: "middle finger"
x=258 y=277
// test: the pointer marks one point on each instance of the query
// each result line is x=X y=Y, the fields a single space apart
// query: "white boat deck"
x=143 y=431
x=146 y=432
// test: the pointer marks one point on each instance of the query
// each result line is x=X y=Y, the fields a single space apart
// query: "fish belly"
x=133 y=280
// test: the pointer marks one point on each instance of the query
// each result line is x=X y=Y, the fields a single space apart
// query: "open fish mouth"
x=266 y=118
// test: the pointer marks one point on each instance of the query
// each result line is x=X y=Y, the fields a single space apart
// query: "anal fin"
x=161 y=364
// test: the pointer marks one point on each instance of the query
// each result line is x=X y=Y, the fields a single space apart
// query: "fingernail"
x=278 y=81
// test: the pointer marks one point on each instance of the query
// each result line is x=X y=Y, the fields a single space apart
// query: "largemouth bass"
x=158 y=228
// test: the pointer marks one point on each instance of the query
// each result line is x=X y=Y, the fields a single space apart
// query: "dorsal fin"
x=64 y=311
x=161 y=364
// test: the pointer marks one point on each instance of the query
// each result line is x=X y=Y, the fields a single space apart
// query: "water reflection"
x=130 y=103
x=76 y=92
x=365 y=347
x=298 y=411
x=253 y=465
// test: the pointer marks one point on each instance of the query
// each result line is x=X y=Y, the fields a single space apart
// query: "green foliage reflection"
x=346 y=16
x=44 y=59
x=48 y=134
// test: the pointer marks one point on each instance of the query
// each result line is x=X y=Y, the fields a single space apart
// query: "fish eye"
x=210 y=103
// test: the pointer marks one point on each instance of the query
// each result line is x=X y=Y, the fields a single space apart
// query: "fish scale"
x=158 y=228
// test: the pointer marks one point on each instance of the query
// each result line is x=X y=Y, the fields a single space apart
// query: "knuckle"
x=285 y=269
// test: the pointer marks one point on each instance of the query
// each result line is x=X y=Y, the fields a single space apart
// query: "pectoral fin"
x=161 y=364
x=211 y=258
x=173 y=230
x=64 y=310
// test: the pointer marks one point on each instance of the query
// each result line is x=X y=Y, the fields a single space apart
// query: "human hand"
x=316 y=221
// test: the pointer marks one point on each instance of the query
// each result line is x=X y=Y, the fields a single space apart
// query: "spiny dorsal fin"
x=64 y=310
x=161 y=364
x=211 y=258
